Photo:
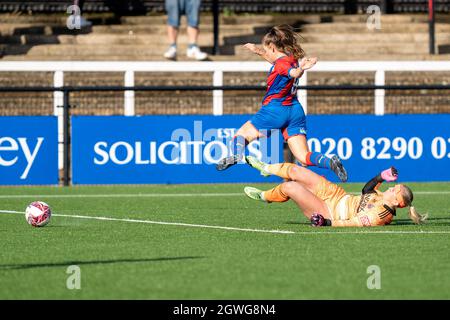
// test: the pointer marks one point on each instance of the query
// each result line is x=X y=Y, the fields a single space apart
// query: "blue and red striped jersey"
x=279 y=83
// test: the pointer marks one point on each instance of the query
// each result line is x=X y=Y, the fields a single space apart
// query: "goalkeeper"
x=327 y=204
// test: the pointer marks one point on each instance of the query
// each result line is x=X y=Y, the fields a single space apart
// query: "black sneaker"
x=338 y=168
x=225 y=163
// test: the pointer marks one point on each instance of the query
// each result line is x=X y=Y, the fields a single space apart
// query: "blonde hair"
x=416 y=217
x=285 y=39
x=408 y=197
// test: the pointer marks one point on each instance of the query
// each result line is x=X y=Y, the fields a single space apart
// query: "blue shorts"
x=176 y=8
x=291 y=120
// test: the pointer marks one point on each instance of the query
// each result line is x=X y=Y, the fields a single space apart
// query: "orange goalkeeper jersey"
x=364 y=211
x=346 y=210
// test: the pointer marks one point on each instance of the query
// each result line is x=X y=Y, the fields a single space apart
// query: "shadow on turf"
x=434 y=221
x=297 y=222
x=94 y=262
x=403 y=222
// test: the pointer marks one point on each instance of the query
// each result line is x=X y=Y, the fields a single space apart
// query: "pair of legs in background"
x=292 y=121
x=175 y=9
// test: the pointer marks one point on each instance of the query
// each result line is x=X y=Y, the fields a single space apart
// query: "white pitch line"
x=122 y=195
x=157 y=195
x=237 y=229
x=431 y=192
x=376 y=232
x=161 y=223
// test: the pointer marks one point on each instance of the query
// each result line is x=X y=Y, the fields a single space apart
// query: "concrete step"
x=52 y=29
x=206 y=39
x=158 y=57
x=32 y=39
x=207 y=18
x=38 y=29
x=56 y=18
x=253 y=28
x=362 y=28
x=8 y=28
x=108 y=39
x=84 y=50
x=360 y=48
x=224 y=20
x=235 y=19
x=384 y=18
x=33 y=18
x=21 y=28
x=441 y=37
x=109 y=57
x=162 y=29
x=389 y=18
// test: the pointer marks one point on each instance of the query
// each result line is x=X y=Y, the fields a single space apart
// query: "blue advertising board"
x=417 y=145
x=184 y=149
x=28 y=150
x=162 y=149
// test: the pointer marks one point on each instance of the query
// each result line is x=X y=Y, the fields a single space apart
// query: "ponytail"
x=416 y=217
x=408 y=197
x=285 y=39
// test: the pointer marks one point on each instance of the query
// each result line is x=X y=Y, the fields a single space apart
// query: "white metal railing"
x=217 y=69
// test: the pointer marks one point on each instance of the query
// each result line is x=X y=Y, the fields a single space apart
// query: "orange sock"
x=275 y=195
x=280 y=169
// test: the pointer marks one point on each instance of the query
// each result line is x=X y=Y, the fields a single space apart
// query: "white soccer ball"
x=38 y=214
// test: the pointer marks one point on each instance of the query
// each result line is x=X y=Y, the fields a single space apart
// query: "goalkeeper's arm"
x=366 y=219
x=388 y=175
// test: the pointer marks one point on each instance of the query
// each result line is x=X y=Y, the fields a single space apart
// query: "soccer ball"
x=38 y=214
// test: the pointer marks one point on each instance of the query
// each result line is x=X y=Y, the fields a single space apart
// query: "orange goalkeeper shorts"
x=332 y=194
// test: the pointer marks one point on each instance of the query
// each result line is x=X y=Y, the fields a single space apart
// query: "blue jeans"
x=176 y=8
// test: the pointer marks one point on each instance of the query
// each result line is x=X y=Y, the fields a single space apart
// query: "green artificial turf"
x=138 y=260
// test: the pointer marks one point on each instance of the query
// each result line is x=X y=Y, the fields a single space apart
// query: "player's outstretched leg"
x=258 y=165
x=322 y=161
x=254 y=193
x=278 y=169
x=276 y=194
x=299 y=147
x=338 y=168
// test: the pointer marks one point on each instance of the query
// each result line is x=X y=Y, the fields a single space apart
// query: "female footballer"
x=327 y=204
x=280 y=106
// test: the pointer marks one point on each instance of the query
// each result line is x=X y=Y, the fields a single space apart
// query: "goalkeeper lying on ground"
x=327 y=204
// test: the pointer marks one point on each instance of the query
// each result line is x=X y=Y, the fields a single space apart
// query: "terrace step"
x=232 y=39
x=318 y=49
x=339 y=27
x=56 y=29
x=181 y=57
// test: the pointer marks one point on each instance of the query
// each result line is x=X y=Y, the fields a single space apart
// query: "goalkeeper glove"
x=317 y=220
x=389 y=175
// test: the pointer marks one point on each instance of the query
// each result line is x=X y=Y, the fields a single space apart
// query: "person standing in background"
x=175 y=9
